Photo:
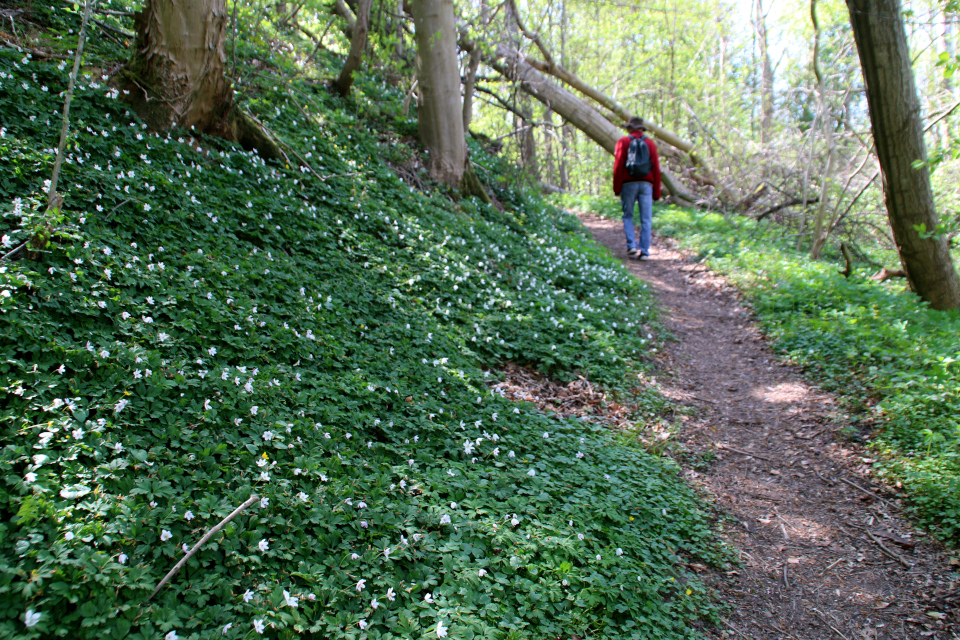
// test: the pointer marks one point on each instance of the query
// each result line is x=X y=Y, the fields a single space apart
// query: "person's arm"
x=619 y=167
x=655 y=170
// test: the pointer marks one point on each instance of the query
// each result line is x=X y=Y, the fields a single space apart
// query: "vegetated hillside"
x=892 y=359
x=205 y=327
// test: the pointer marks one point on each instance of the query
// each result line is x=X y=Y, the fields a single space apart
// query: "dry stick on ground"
x=832 y=565
x=823 y=619
x=866 y=491
x=35 y=52
x=197 y=546
x=744 y=453
x=887 y=551
x=735 y=630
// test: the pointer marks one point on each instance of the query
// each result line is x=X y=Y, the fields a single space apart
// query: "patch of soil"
x=825 y=551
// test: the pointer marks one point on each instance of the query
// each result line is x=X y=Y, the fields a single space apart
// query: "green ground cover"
x=894 y=362
x=205 y=327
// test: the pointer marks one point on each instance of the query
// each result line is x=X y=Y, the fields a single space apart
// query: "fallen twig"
x=809 y=437
x=735 y=630
x=832 y=565
x=35 y=52
x=826 y=481
x=720 y=445
x=866 y=491
x=888 y=552
x=824 y=621
x=10 y=255
x=197 y=546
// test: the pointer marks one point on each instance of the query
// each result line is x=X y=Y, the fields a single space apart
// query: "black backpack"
x=639 y=163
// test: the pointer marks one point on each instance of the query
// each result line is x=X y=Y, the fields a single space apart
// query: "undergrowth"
x=205 y=327
x=895 y=362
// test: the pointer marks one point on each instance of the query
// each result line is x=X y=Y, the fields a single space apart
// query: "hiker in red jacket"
x=642 y=189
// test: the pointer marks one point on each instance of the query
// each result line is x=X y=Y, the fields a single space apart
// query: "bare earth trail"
x=825 y=552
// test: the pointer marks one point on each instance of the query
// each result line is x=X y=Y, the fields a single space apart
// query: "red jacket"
x=620 y=174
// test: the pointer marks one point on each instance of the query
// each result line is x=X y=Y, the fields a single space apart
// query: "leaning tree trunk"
x=175 y=77
x=898 y=135
x=571 y=108
x=358 y=43
x=439 y=113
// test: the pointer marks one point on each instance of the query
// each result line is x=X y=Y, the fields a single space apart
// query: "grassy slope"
x=894 y=360
x=216 y=328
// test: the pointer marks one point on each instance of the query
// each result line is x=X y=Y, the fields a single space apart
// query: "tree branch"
x=197 y=546
x=52 y=200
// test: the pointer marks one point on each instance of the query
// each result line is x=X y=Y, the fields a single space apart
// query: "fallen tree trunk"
x=560 y=73
x=551 y=67
x=514 y=66
x=784 y=205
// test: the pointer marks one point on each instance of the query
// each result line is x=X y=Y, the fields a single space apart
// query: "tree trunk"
x=566 y=153
x=549 y=132
x=528 y=141
x=766 y=79
x=469 y=85
x=898 y=135
x=820 y=235
x=439 y=114
x=357 y=44
x=175 y=77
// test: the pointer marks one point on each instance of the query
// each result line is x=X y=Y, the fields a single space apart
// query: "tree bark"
x=528 y=141
x=549 y=133
x=766 y=78
x=469 y=86
x=440 y=116
x=358 y=43
x=898 y=135
x=819 y=236
x=341 y=9
x=176 y=74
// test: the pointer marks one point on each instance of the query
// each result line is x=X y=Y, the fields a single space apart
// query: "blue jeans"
x=642 y=193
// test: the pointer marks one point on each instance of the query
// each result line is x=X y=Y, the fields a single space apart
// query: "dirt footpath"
x=826 y=553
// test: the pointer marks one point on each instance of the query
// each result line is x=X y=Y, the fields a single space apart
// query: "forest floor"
x=825 y=552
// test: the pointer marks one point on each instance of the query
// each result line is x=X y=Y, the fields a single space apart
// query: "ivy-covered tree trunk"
x=176 y=74
x=439 y=113
x=898 y=136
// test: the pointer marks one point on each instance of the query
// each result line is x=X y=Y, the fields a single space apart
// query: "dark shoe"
x=633 y=253
x=643 y=256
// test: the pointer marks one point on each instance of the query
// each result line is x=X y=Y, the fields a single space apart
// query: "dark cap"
x=635 y=124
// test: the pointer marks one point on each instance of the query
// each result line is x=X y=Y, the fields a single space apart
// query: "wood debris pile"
x=577 y=399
